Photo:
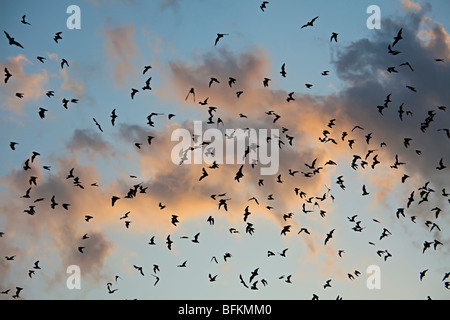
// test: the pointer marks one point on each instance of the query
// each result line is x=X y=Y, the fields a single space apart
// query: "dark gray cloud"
x=88 y=140
x=363 y=65
x=166 y=4
x=248 y=68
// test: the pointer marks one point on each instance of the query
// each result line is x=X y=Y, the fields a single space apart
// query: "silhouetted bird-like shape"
x=329 y=236
x=365 y=193
x=12 y=41
x=113 y=117
x=169 y=242
x=212 y=278
x=398 y=37
x=18 y=290
x=393 y=52
x=231 y=81
x=192 y=91
x=42 y=112
x=212 y=80
x=24 y=21
x=204 y=174
x=147 y=84
x=263 y=5
x=146 y=68
x=285 y=230
x=441 y=165
x=411 y=88
x=283 y=70
x=7 y=75
x=98 y=125
x=334 y=36
x=407 y=64
x=114 y=200
x=219 y=36
x=57 y=37
x=422 y=274
x=239 y=174
x=64 y=62
x=140 y=269
x=174 y=220
x=310 y=23
x=290 y=97
x=133 y=92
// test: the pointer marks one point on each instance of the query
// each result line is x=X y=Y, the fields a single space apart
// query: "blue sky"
x=107 y=56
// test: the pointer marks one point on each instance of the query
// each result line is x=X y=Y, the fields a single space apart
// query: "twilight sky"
x=372 y=105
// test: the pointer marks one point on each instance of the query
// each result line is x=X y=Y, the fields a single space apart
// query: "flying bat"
x=7 y=75
x=98 y=125
x=310 y=23
x=219 y=36
x=11 y=40
x=329 y=236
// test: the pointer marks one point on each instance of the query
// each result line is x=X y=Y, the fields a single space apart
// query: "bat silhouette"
x=219 y=36
x=310 y=23
x=329 y=236
x=12 y=41
x=97 y=124
x=7 y=75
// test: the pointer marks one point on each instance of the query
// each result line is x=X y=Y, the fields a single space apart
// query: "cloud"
x=435 y=38
x=57 y=228
x=97 y=3
x=72 y=85
x=411 y=5
x=249 y=68
x=305 y=119
x=120 y=47
x=90 y=141
x=31 y=85
x=168 y=3
x=360 y=64
x=165 y=4
x=91 y=261
x=172 y=4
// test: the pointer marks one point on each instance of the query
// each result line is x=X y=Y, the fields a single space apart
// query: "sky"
x=358 y=100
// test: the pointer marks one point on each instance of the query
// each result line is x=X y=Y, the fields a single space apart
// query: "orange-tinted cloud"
x=411 y=5
x=72 y=85
x=120 y=49
x=31 y=85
